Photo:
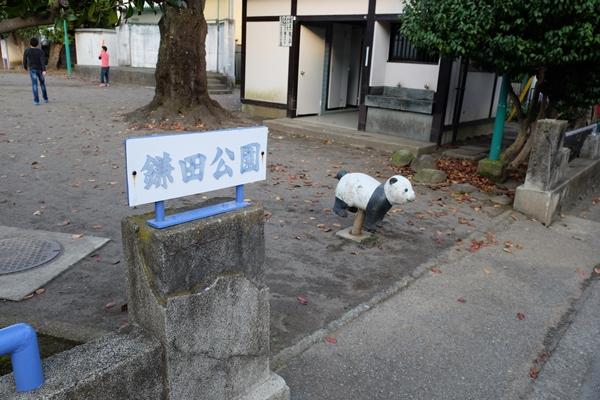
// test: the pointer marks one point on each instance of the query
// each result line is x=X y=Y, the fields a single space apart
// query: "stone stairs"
x=217 y=83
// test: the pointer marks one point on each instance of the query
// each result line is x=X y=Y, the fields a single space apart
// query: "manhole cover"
x=19 y=254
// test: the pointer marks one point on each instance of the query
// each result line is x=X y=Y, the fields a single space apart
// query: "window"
x=402 y=51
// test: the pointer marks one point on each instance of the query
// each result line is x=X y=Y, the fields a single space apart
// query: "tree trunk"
x=181 y=98
x=518 y=152
x=54 y=57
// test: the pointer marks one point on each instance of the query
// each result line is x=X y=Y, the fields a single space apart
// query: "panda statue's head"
x=398 y=190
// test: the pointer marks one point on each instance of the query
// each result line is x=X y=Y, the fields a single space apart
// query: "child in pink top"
x=103 y=57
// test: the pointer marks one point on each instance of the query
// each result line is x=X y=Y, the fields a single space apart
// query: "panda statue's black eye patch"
x=393 y=180
x=406 y=190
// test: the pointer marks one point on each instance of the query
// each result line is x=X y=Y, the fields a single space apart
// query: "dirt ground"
x=65 y=159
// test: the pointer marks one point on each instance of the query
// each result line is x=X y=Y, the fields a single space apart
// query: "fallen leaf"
x=520 y=316
x=534 y=372
x=436 y=270
x=97 y=226
x=298 y=237
x=461 y=300
x=64 y=223
x=597 y=270
x=40 y=291
x=37 y=213
x=110 y=305
x=330 y=339
x=77 y=236
x=487 y=270
x=581 y=272
x=475 y=245
x=302 y=300
x=29 y=296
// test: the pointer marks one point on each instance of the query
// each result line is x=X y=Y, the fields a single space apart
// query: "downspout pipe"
x=20 y=341
x=498 y=134
x=460 y=97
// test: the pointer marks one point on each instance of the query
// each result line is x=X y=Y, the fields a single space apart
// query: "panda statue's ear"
x=393 y=180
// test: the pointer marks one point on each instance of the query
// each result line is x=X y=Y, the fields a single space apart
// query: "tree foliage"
x=558 y=41
x=517 y=37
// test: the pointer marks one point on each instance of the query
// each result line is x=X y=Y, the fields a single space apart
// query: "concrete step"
x=220 y=91
x=353 y=137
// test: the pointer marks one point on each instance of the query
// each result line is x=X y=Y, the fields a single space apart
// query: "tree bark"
x=519 y=150
x=12 y=24
x=181 y=98
x=54 y=57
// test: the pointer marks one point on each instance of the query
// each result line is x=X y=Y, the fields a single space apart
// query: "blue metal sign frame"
x=161 y=220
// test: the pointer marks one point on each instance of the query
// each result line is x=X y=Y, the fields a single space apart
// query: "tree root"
x=208 y=115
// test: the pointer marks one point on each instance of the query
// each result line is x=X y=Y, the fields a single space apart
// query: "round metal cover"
x=19 y=254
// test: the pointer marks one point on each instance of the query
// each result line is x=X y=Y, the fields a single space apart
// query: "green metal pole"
x=498 y=134
x=67 y=50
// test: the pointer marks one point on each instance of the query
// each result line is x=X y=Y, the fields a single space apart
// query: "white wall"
x=257 y=8
x=124 y=51
x=389 y=6
x=138 y=44
x=332 y=7
x=144 y=43
x=266 y=63
x=408 y=75
x=381 y=45
x=411 y=75
x=88 y=43
x=478 y=95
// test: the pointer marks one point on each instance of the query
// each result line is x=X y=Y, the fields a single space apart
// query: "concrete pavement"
x=475 y=328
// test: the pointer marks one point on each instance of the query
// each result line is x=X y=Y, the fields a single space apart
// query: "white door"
x=310 y=70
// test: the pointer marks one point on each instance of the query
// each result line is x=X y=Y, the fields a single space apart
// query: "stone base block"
x=492 y=169
x=273 y=389
x=399 y=123
x=581 y=177
x=363 y=237
x=541 y=205
x=591 y=147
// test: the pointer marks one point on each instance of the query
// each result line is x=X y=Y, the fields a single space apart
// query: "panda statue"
x=360 y=191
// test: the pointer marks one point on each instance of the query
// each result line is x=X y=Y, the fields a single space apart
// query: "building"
x=314 y=57
x=135 y=43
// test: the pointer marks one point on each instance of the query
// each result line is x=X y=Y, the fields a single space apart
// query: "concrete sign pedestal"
x=198 y=289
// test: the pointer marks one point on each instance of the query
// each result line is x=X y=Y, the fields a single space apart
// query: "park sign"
x=164 y=167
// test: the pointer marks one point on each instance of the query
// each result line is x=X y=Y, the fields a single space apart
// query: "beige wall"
x=214 y=9
x=266 y=63
x=332 y=7
x=227 y=9
x=258 y=8
x=389 y=6
x=16 y=47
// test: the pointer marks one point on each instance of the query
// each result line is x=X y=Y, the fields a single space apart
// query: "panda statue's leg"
x=371 y=223
x=339 y=207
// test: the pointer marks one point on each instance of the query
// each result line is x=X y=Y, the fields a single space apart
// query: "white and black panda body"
x=361 y=191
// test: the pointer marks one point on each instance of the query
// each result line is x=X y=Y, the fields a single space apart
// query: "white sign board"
x=171 y=166
x=286 y=26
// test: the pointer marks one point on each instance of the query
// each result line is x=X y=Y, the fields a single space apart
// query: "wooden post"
x=358 y=223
